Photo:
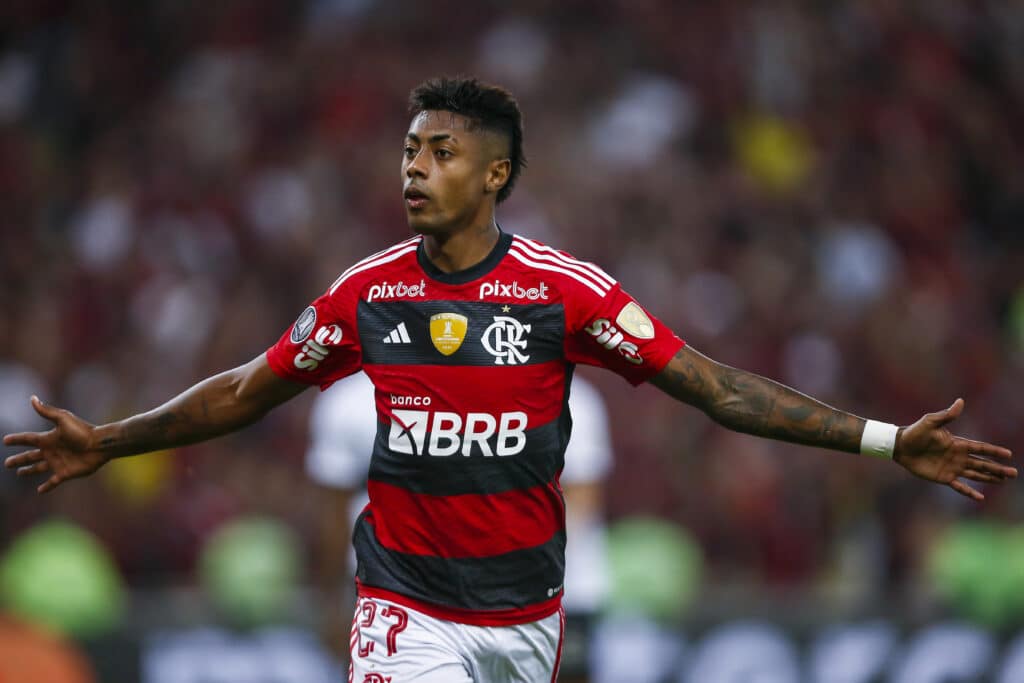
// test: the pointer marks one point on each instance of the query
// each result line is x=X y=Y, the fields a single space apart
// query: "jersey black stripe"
x=509 y=581
x=543 y=341
x=540 y=460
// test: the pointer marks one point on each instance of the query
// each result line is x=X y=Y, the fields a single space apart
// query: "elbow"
x=727 y=411
x=245 y=396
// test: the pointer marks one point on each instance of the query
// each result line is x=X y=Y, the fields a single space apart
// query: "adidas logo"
x=399 y=335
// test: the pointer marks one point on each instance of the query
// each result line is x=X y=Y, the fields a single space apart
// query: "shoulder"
x=396 y=258
x=569 y=272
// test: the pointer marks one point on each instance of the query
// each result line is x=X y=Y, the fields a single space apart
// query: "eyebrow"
x=433 y=138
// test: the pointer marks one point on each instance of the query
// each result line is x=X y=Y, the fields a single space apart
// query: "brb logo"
x=397 y=291
x=514 y=291
x=505 y=339
x=422 y=432
x=317 y=348
x=608 y=336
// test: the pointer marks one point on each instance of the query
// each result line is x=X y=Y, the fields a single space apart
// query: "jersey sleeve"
x=615 y=332
x=323 y=344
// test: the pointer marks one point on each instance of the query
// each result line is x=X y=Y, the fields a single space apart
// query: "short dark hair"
x=488 y=106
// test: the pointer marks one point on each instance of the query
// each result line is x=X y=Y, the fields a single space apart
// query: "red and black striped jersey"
x=471 y=371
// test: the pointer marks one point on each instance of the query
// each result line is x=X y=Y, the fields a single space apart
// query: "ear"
x=497 y=174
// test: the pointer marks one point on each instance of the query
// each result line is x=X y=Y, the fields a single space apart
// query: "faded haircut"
x=489 y=107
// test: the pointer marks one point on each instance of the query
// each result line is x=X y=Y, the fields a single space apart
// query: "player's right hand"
x=65 y=452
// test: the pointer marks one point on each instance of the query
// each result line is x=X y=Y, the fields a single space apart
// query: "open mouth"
x=415 y=198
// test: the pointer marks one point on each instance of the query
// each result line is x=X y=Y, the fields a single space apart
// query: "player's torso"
x=470 y=384
x=465 y=371
x=468 y=354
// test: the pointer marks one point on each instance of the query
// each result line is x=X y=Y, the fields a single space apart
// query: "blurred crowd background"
x=826 y=193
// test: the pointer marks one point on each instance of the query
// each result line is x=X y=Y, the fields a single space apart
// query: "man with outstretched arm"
x=470 y=335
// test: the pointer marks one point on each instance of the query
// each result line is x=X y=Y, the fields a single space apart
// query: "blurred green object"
x=655 y=568
x=60 y=576
x=978 y=569
x=250 y=568
x=1015 y=318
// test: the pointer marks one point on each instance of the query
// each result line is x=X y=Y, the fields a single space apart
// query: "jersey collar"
x=461 y=277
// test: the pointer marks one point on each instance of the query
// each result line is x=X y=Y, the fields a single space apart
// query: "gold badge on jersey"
x=447 y=331
x=633 y=320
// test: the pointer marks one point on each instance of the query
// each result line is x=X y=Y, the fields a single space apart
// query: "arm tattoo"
x=745 y=402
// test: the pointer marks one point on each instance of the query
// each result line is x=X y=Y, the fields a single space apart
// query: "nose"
x=416 y=167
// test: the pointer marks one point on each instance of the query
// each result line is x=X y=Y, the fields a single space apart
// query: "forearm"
x=749 y=403
x=216 y=406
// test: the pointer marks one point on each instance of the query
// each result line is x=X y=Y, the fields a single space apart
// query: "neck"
x=455 y=251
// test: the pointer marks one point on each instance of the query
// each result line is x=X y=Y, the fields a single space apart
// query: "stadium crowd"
x=829 y=194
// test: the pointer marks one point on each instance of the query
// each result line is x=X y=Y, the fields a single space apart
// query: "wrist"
x=897 y=450
x=879 y=439
x=104 y=439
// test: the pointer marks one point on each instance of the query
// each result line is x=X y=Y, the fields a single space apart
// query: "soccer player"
x=343 y=426
x=470 y=335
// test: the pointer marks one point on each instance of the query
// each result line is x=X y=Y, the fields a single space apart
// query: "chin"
x=421 y=225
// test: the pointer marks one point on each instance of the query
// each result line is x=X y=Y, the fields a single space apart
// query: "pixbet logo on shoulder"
x=514 y=291
x=399 y=290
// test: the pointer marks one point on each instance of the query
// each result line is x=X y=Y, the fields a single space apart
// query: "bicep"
x=259 y=385
x=691 y=377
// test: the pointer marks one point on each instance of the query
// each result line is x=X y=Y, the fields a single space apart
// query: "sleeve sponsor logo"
x=422 y=432
x=608 y=336
x=317 y=348
x=514 y=291
x=303 y=326
x=633 y=320
x=506 y=340
x=448 y=331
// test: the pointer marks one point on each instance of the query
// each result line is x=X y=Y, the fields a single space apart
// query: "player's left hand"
x=931 y=452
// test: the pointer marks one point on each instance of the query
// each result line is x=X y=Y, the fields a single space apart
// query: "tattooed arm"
x=749 y=403
x=745 y=402
x=217 y=405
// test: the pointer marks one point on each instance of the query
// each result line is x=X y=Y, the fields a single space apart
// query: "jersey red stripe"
x=500 y=617
x=538 y=390
x=468 y=525
x=561 y=642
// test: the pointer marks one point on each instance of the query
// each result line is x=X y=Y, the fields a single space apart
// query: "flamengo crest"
x=505 y=339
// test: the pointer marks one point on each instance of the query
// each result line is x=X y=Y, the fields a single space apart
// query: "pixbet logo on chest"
x=513 y=291
x=399 y=290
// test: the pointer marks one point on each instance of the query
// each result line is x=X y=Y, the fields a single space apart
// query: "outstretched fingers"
x=966 y=490
x=22 y=459
x=989 y=467
x=984 y=449
x=985 y=477
x=50 y=484
x=32 y=439
x=37 y=468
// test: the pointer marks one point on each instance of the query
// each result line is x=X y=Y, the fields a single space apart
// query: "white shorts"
x=396 y=644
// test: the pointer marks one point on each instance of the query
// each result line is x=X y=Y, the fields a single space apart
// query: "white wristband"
x=879 y=439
